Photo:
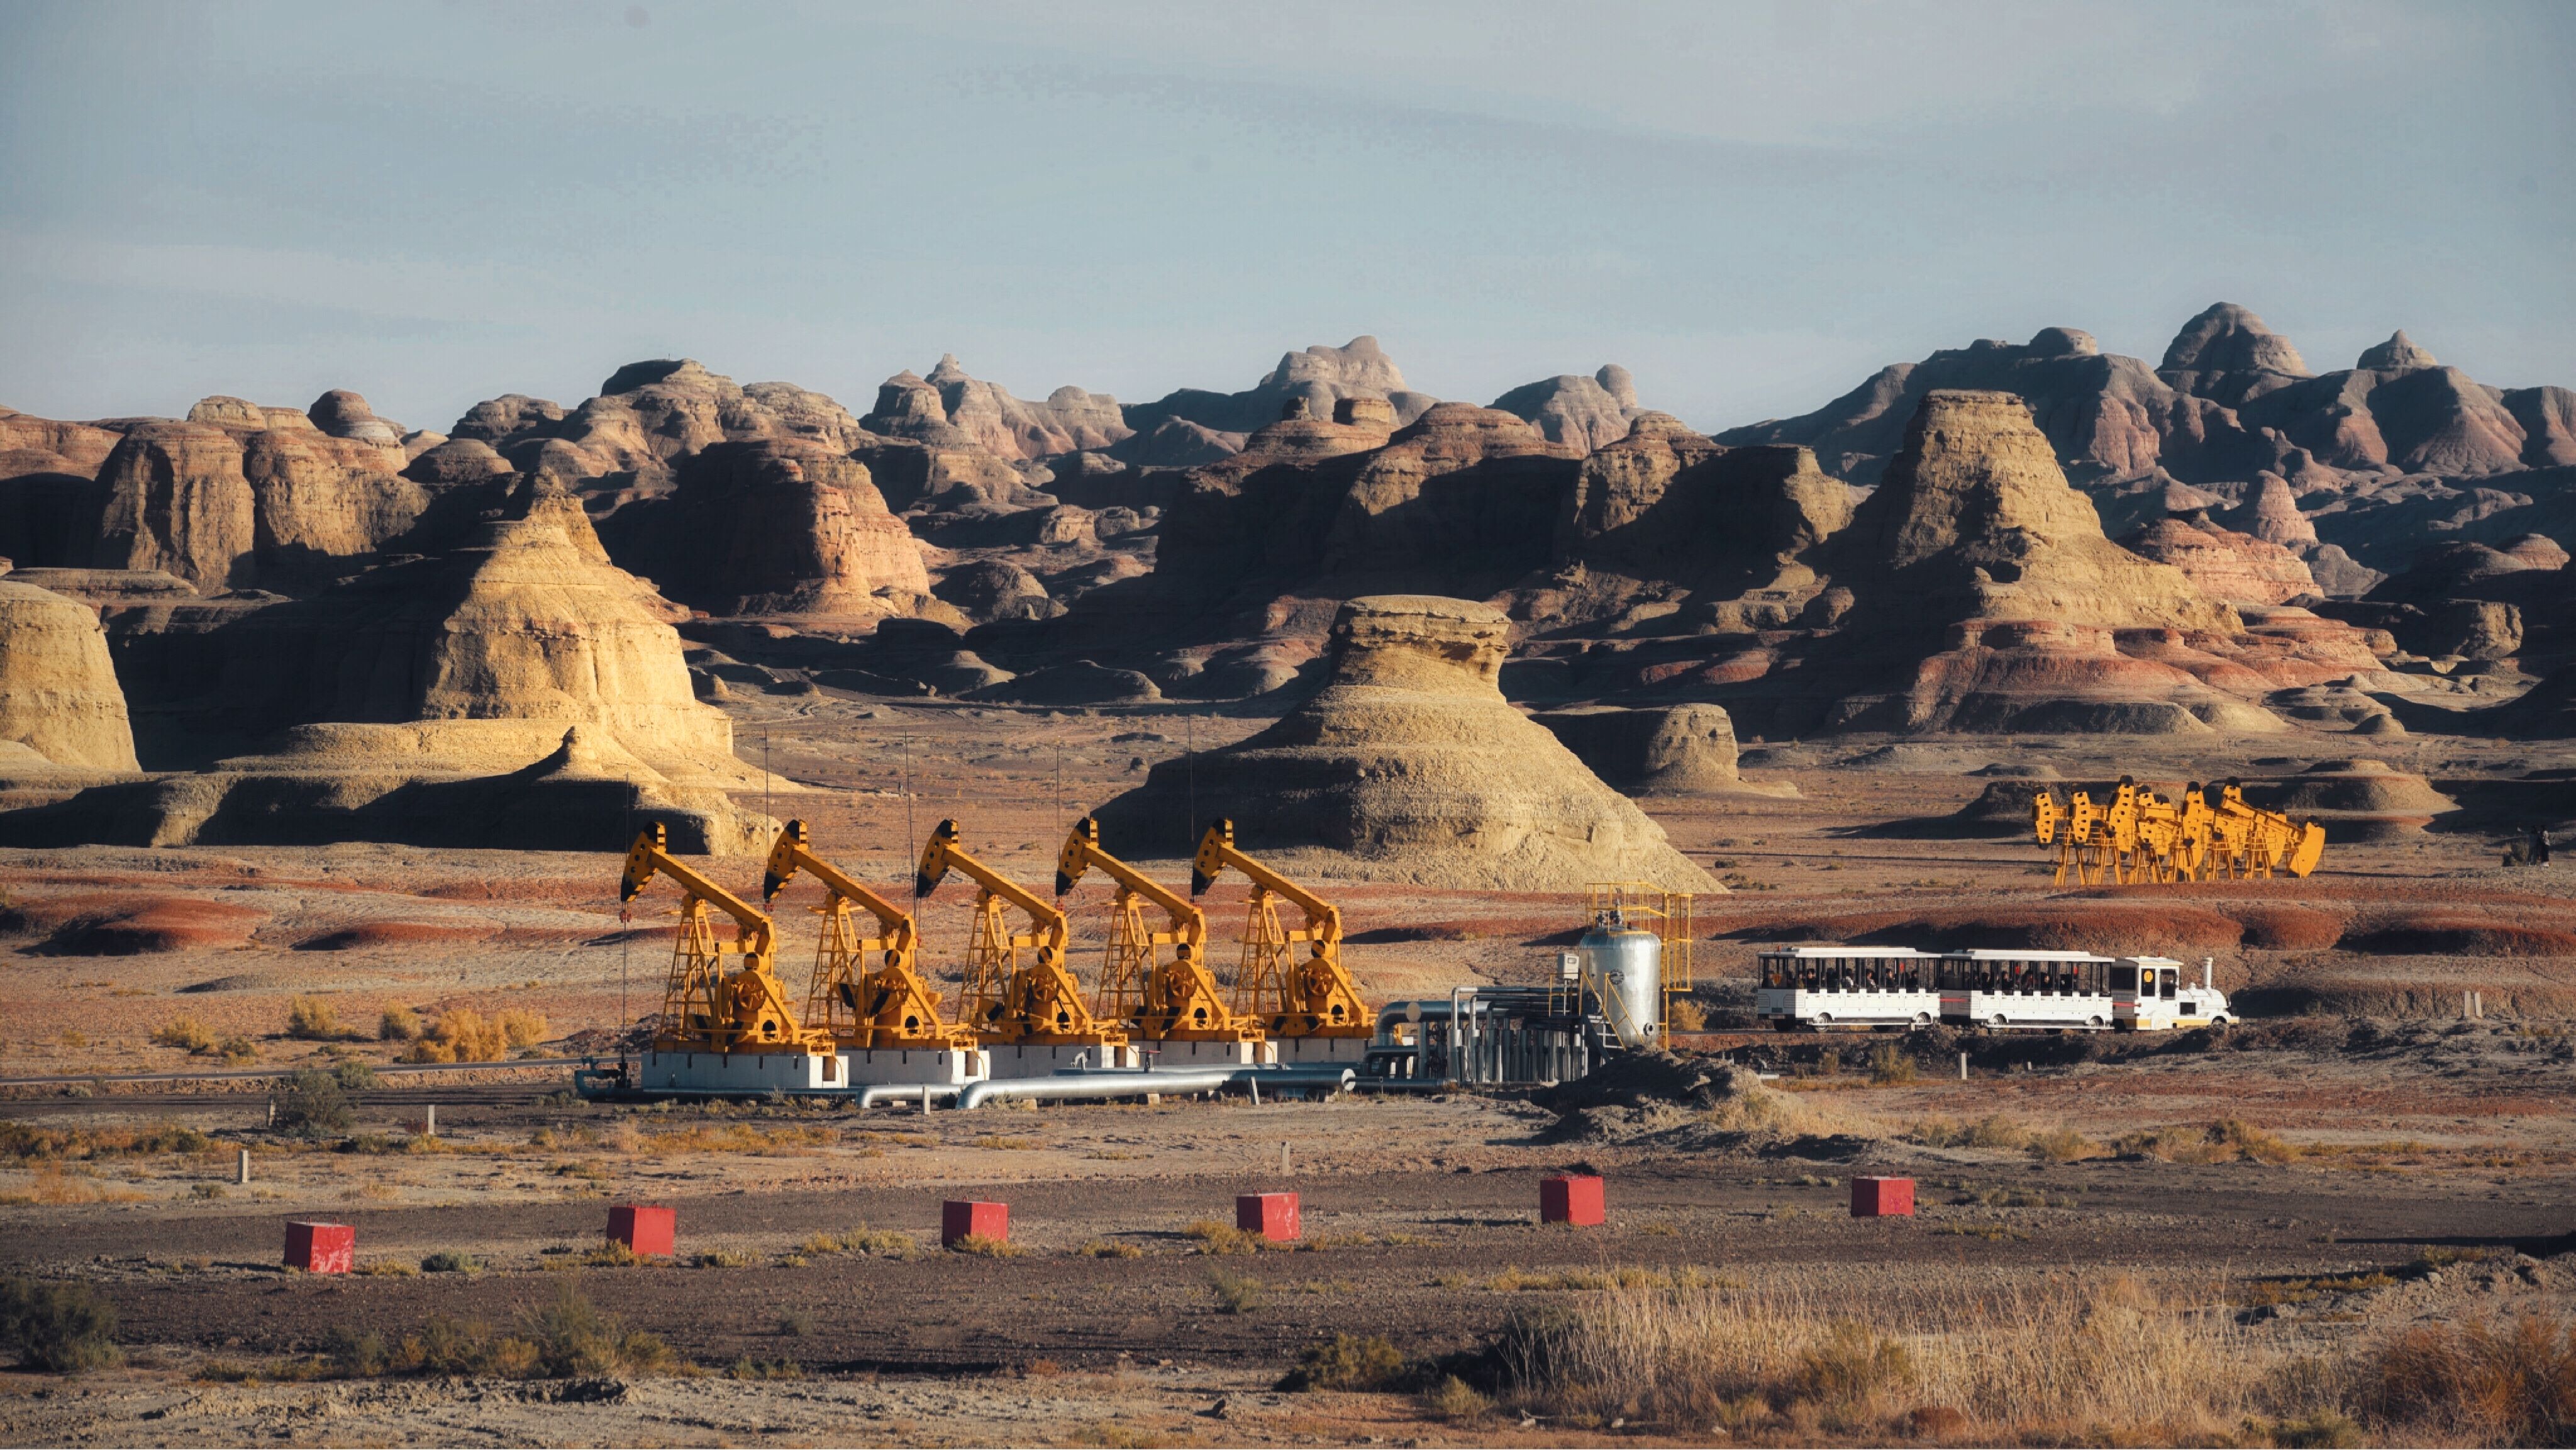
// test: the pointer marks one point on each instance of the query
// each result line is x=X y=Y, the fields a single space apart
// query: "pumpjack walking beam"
x=1005 y=1001
x=889 y=1006
x=1175 y=1000
x=1314 y=998
x=704 y=1007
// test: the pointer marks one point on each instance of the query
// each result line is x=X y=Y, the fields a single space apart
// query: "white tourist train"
x=1836 y=986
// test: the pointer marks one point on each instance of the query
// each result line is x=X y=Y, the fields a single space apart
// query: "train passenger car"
x=2007 y=989
x=2149 y=995
x=1846 y=987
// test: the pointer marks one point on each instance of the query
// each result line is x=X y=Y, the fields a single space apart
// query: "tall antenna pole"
x=1190 y=767
x=910 y=842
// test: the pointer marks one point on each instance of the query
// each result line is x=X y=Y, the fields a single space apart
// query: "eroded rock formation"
x=1408 y=765
x=58 y=692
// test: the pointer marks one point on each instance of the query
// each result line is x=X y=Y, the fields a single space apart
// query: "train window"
x=2124 y=977
x=2167 y=978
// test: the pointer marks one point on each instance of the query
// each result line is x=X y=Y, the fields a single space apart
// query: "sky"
x=1750 y=206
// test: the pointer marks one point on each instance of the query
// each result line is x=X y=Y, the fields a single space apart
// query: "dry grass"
x=2001 y=1131
x=985 y=1247
x=186 y=1033
x=2503 y=1382
x=23 y=1140
x=875 y=1242
x=462 y=1034
x=311 y=1019
x=2229 y=1140
x=52 y=1185
x=1515 y=1279
x=1997 y=1361
x=565 y=1338
x=1225 y=1238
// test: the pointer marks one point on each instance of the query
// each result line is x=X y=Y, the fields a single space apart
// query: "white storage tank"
x=1623 y=974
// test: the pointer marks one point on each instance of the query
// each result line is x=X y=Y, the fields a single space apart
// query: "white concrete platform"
x=1171 y=1054
x=1342 y=1051
x=937 y=1067
x=740 y=1072
x=1038 y=1059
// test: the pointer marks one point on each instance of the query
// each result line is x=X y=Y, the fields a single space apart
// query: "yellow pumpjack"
x=888 y=1006
x=1313 y=998
x=706 y=1008
x=1178 y=1000
x=1005 y=1001
x=2140 y=836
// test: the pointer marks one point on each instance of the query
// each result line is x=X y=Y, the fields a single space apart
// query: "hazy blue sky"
x=1751 y=206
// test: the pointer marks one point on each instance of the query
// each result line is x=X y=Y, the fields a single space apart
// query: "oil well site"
x=2009 y=902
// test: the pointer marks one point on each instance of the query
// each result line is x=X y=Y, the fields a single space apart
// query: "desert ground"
x=2392 y=1161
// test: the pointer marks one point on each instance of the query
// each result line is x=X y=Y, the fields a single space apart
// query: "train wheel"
x=1922 y=1019
x=1998 y=1023
x=2094 y=1023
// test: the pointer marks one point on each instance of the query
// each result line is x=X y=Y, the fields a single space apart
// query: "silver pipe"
x=1136 y=1084
x=911 y=1092
x=1393 y=1012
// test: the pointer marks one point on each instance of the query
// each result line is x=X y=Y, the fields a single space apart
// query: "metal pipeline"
x=1422 y=1011
x=1087 y=1084
x=905 y=1092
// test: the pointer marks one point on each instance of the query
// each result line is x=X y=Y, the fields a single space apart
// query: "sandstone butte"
x=1976 y=553
x=58 y=692
x=405 y=702
x=1408 y=765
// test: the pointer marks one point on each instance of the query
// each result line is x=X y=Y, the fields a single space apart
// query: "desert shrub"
x=1349 y=1362
x=398 y=1024
x=65 y=1328
x=747 y=1368
x=448 y=1261
x=795 y=1324
x=1455 y=1400
x=984 y=1246
x=1995 y=1130
x=1680 y=1015
x=1850 y=1363
x=2511 y=1383
x=185 y=1032
x=1889 y=1065
x=311 y=1105
x=1105 y=1249
x=1223 y=1238
x=310 y=1019
x=2229 y=1140
x=1235 y=1293
x=237 y=1050
x=462 y=1034
x=575 y=1338
x=2061 y=1145
x=353 y=1076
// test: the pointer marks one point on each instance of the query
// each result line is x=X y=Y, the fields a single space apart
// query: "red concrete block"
x=1271 y=1215
x=959 y=1217
x=643 y=1229
x=1569 y=1198
x=1882 y=1198
x=321 y=1248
